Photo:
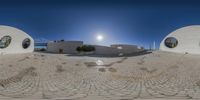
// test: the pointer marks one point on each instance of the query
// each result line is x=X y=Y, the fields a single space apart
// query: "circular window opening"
x=26 y=43
x=5 y=41
x=171 y=42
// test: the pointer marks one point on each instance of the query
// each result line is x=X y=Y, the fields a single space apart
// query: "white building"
x=105 y=50
x=117 y=49
x=183 y=40
x=13 y=40
x=68 y=47
x=127 y=49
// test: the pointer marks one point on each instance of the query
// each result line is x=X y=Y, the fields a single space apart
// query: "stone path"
x=51 y=76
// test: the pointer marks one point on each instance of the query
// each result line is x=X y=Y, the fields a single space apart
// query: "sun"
x=99 y=37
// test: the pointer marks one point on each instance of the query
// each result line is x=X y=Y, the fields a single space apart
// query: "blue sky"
x=119 y=21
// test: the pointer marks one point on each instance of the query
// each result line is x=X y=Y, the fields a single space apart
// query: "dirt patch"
x=198 y=83
x=148 y=70
x=59 y=68
x=142 y=61
x=90 y=64
x=18 y=77
x=112 y=70
x=23 y=59
x=122 y=60
x=64 y=63
x=93 y=64
x=102 y=70
x=42 y=55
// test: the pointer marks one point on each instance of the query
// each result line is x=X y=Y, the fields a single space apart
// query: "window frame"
x=171 y=45
x=23 y=43
x=10 y=40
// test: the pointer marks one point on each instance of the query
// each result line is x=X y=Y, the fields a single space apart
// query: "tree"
x=78 y=49
x=62 y=40
x=85 y=48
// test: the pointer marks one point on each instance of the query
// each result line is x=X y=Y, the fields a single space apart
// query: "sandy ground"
x=159 y=75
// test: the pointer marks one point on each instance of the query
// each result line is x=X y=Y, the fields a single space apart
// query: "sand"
x=159 y=75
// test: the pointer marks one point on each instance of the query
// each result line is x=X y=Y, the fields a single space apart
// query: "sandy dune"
x=159 y=75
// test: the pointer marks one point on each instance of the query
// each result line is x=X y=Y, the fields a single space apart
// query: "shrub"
x=78 y=49
x=85 y=48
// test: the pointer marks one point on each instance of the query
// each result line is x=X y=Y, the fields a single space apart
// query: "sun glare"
x=99 y=37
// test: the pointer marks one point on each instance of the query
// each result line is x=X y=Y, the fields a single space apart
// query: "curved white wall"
x=188 y=40
x=16 y=43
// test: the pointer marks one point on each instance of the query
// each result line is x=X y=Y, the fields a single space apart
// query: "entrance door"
x=60 y=50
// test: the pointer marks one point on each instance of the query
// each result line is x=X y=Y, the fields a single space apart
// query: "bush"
x=78 y=49
x=85 y=48
x=43 y=49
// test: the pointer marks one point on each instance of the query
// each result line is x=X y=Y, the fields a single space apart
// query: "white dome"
x=188 y=40
x=13 y=40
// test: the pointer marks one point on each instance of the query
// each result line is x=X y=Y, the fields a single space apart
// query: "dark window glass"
x=171 y=42
x=5 y=41
x=26 y=43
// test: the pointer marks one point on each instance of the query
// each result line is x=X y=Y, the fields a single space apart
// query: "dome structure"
x=183 y=40
x=13 y=40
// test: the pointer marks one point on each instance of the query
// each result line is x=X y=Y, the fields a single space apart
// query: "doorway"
x=60 y=50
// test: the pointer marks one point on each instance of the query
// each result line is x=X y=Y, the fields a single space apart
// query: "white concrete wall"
x=16 y=43
x=127 y=49
x=104 y=50
x=68 y=47
x=188 y=40
x=114 y=50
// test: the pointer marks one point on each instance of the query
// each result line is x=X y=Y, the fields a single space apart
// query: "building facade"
x=13 y=40
x=117 y=49
x=127 y=49
x=183 y=40
x=105 y=50
x=68 y=47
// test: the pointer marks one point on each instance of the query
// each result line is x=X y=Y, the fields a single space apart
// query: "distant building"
x=105 y=50
x=117 y=49
x=183 y=40
x=13 y=40
x=70 y=47
x=62 y=46
x=127 y=49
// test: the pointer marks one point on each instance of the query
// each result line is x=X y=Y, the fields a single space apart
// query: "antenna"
x=154 y=45
x=150 y=46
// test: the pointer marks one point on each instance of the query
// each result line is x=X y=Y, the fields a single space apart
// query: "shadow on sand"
x=95 y=55
x=126 y=55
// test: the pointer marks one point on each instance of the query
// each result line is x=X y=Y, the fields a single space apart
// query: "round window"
x=171 y=42
x=26 y=43
x=5 y=41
